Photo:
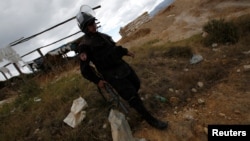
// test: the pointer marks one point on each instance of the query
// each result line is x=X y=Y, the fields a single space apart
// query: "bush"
x=220 y=31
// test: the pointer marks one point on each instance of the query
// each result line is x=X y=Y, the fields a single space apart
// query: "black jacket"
x=102 y=51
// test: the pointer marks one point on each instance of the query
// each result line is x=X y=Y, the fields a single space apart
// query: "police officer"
x=102 y=51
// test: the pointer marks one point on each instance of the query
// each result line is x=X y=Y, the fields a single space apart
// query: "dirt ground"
x=221 y=104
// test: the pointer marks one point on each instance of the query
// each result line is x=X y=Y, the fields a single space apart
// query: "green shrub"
x=220 y=31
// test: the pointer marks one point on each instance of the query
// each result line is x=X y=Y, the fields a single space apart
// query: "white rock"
x=206 y=130
x=200 y=84
x=214 y=45
x=222 y=114
x=201 y=101
x=246 y=67
x=171 y=89
x=194 y=90
x=104 y=126
x=196 y=59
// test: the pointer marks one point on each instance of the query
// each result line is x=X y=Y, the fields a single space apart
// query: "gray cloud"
x=27 y=17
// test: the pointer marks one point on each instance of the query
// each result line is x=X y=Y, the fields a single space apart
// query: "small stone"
x=104 y=126
x=246 y=67
x=200 y=84
x=36 y=131
x=201 y=101
x=171 y=89
x=237 y=112
x=142 y=99
x=206 y=130
x=194 y=90
x=214 y=45
x=222 y=114
x=204 y=34
x=188 y=117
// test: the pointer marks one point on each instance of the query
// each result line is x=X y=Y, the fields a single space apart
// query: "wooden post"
x=18 y=69
x=44 y=58
x=39 y=51
x=4 y=76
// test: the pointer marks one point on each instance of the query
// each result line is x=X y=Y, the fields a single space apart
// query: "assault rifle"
x=114 y=97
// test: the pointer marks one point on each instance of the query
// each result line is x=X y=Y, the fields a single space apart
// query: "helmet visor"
x=80 y=18
x=87 y=9
x=85 y=15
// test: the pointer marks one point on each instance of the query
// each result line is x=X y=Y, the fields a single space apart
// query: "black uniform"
x=107 y=58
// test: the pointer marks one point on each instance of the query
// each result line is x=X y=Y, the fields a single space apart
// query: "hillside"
x=222 y=100
x=185 y=18
x=213 y=91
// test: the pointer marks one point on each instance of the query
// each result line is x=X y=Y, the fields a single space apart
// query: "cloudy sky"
x=24 y=18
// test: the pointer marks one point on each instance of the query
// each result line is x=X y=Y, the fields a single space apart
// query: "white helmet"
x=85 y=16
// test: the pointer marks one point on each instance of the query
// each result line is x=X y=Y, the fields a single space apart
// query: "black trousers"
x=127 y=88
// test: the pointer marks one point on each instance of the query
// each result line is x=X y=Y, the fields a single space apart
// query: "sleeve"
x=121 y=51
x=88 y=72
x=110 y=39
x=83 y=48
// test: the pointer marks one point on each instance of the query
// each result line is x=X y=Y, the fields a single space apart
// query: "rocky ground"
x=227 y=101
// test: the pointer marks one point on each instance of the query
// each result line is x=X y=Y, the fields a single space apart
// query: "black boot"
x=137 y=104
x=157 y=123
